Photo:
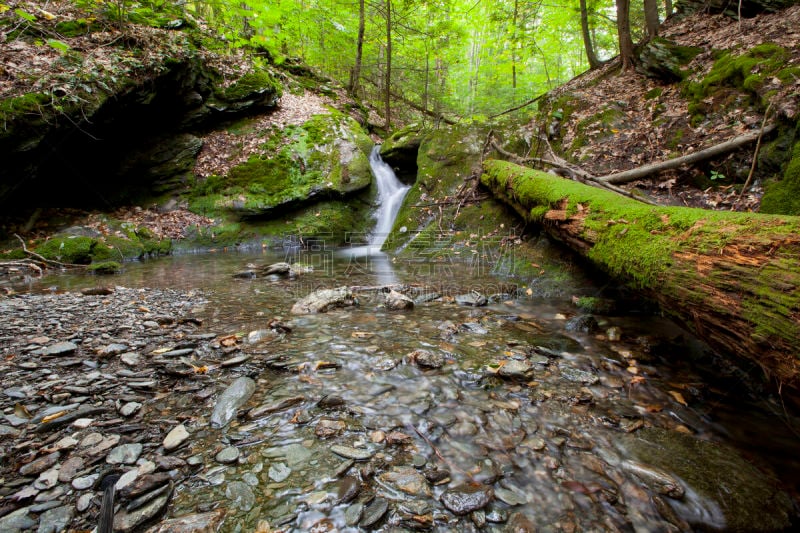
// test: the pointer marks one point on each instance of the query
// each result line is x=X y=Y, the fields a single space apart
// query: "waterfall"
x=391 y=192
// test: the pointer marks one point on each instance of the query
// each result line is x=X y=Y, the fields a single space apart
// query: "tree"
x=651 y=17
x=355 y=74
x=591 y=56
x=388 y=73
x=626 y=52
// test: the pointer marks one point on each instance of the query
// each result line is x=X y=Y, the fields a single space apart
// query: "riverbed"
x=523 y=414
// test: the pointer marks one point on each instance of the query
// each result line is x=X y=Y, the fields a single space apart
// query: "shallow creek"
x=532 y=420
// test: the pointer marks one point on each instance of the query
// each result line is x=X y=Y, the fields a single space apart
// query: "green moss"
x=106 y=267
x=747 y=73
x=68 y=249
x=783 y=197
x=250 y=84
x=653 y=93
x=598 y=126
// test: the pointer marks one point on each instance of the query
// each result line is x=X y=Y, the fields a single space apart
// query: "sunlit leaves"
x=61 y=46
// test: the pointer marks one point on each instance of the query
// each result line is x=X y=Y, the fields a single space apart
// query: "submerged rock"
x=474 y=299
x=465 y=498
x=324 y=300
x=397 y=301
x=230 y=400
x=707 y=483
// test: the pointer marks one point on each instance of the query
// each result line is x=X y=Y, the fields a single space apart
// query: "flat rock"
x=374 y=512
x=195 y=523
x=230 y=400
x=241 y=495
x=473 y=299
x=177 y=436
x=515 y=369
x=125 y=454
x=228 y=455
x=577 y=376
x=19 y=520
x=39 y=465
x=465 y=498
x=324 y=300
x=59 y=348
x=125 y=521
x=70 y=468
x=397 y=301
x=55 y=519
x=357 y=454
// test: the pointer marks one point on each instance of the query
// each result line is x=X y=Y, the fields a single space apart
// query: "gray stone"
x=59 y=348
x=227 y=455
x=125 y=521
x=84 y=482
x=111 y=350
x=130 y=408
x=241 y=495
x=515 y=369
x=230 y=400
x=279 y=472
x=17 y=521
x=177 y=436
x=357 y=454
x=473 y=299
x=427 y=359
x=465 y=498
x=398 y=302
x=84 y=502
x=39 y=465
x=130 y=358
x=577 y=376
x=374 y=512
x=324 y=300
x=125 y=454
x=70 y=468
x=195 y=523
x=55 y=520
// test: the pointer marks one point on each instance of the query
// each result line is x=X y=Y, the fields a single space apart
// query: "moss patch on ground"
x=783 y=197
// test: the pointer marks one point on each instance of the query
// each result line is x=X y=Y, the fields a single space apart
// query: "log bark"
x=731 y=278
x=714 y=151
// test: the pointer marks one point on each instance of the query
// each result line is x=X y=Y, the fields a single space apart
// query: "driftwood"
x=732 y=278
x=708 y=153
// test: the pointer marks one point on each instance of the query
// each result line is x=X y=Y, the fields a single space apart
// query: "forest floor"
x=653 y=129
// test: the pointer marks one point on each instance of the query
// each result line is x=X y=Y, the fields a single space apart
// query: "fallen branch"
x=755 y=153
x=520 y=106
x=708 y=153
x=24 y=263
x=45 y=260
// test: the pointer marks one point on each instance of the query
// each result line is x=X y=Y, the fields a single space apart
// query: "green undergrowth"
x=734 y=77
x=784 y=196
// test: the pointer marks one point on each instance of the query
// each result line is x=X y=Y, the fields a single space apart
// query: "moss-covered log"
x=732 y=278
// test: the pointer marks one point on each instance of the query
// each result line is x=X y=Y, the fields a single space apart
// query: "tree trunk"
x=355 y=74
x=624 y=33
x=587 y=38
x=732 y=278
x=668 y=7
x=388 y=82
x=651 y=18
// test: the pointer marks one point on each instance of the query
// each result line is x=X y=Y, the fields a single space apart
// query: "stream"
x=524 y=414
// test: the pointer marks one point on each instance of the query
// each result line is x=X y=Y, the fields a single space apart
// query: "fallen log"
x=723 y=148
x=731 y=278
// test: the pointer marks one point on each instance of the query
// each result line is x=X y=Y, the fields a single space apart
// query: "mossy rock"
x=256 y=90
x=664 y=60
x=325 y=158
x=401 y=148
x=105 y=268
x=72 y=249
x=783 y=197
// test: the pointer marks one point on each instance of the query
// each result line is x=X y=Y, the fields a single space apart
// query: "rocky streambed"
x=209 y=411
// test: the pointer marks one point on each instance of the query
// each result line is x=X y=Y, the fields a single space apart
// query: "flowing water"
x=551 y=437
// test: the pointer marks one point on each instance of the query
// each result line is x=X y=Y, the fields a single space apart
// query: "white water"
x=391 y=192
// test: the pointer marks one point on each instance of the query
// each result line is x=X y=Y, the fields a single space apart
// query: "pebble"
x=130 y=408
x=279 y=472
x=465 y=498
x=230 y=400
x=39 y=465
x=60 y=348
x=177 y=436
x=84 y=482
x=125 y=520
x=227 y=455
x=373 y=512
x=241 y=495
x=357 y=454
x=125 y=454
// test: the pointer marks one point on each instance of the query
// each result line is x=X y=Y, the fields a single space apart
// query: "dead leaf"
x=678 y=397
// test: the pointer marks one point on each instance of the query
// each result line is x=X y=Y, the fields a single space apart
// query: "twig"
x=524 y=104
x=439 y=454
x=755 y=153
x=23 y=263
x=45 y=260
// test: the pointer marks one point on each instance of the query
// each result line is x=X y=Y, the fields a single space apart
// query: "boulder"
x=324 y=300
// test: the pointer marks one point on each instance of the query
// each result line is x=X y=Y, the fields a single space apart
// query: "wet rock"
x=129 y=409
x=241 y=495
x=347 y=489
x=582 y=324
x=357 y=454
x=473 y=299
x=175 y=438
x=514 y=368
x=328 y=428
x=60 y=348
x=111 y=350
x=427 y=359
x=721 y=489
x=125 y=454
x=374 y=512
x=19 y=520
x=39 y=465
x=228 y=455
x=353 y=514
x=84 y=482
x=130 y=359
x=124 y=480
x=125 y=520
x=397 y=301
x=519 y=523
x=279 y=472
x=408 y=480
x=55 y=519
x=324 y=300
x=577 y=376
x=84 y=502
x=230 y=400
x=144 y=484
x=465 y=498
x=195 y=523
x=168 y=462
x=70 y=468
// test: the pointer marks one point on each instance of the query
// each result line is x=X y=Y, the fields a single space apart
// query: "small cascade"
x=391 y=192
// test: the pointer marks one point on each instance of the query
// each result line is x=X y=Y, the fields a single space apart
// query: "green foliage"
x=106 y=267
x=715 y=175
x=783 y=197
